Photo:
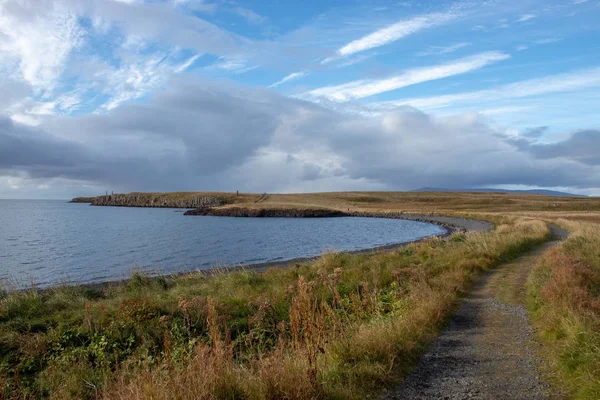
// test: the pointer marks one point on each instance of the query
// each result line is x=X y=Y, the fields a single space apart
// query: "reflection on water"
x=53 y=241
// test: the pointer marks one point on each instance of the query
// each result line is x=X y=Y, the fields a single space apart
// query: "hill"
x=493 y=190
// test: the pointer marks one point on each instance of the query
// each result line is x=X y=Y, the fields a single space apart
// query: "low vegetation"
x=337 y=328
x=417 y=202
x=564 y=294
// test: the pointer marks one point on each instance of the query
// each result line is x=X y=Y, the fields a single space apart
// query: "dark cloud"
x=36 y=151
x=218 y=136
x=582 y=146
x=535 y=133
x=311 y=172
x=186 y=135
x=409 y=149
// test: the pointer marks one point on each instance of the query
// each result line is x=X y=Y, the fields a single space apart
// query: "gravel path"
x=486 y=351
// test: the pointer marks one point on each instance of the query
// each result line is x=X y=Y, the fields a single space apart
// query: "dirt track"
x=486 y=352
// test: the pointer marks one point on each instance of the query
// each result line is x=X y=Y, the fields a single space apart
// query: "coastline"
x=449 y=224
x=262 y=267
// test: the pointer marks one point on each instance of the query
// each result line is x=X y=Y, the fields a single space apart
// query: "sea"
x=51 y=242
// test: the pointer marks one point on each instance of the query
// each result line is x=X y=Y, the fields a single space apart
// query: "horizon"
x=283 y=97
x=425 y=190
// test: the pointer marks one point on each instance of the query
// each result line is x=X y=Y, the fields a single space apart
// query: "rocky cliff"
x=148 y=200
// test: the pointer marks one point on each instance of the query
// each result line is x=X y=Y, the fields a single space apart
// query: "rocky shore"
x=212 y=204
x=145 y=200
x=82 y=200
x=266 y=212
x=451 y=223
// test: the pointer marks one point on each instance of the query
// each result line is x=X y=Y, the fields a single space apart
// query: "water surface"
x=49 y=242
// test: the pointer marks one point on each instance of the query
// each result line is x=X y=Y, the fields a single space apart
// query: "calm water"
x=50 y=242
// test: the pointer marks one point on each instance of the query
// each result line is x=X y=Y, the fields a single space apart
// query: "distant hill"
x=532 y=191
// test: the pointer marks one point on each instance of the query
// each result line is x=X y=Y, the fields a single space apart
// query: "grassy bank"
x=339 y=328
x=564 y=294
x=411 y=202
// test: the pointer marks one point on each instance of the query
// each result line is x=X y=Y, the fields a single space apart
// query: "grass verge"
x=564 y=297
x=341 y=327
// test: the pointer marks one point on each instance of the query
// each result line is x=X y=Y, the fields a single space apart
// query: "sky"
x=297 y=96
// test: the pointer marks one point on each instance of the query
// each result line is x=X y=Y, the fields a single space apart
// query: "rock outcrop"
x=266 y=212
x=451 y=224
x=82 y=200
x=129 y=200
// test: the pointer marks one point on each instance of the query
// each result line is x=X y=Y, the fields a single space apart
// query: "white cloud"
x=267 y=142
x=548 y=40
x=41 y=36
x=434 y=50
x=346 y=62
x=290 y=77
x=138 y=74
x=132 y=81
x=249 y=15
x=33 y=111
x=198 y=5
x=526 y=17
x=580 y=79
x=166 y=24
x=235 y=65
x=539 y=42
x=365 y=88
x=506 y=110
x=392 y=33
x=187 y=63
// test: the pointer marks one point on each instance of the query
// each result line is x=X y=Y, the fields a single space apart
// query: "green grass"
x=338 y=328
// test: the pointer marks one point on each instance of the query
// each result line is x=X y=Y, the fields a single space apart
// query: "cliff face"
x=143 y=200
x=82 y=200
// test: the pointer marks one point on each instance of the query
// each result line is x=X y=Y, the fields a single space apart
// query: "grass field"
x=418 y=202
x=342 y=327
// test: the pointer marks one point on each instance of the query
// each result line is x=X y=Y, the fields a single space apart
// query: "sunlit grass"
x=417 y=202
x=340 y=327
x=564 y=293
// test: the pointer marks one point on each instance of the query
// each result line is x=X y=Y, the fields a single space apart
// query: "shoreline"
x=449 y=224
x=255 y=267
x=262 y=267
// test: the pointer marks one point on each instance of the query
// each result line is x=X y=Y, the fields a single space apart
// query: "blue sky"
x=297 y=96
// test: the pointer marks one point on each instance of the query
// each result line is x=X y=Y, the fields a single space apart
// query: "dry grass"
x=344 y=344
x=440 y=202
x=564 y=291
x=342 y=327
x=418 y=202
x=339 y=328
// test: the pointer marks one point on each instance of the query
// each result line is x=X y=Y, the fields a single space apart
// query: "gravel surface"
x=486 y=352
x=465 y=224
